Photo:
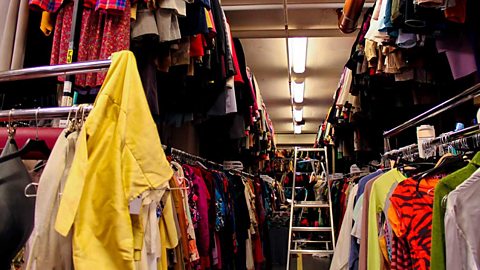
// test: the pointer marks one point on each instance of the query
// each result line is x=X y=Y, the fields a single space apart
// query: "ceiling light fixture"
x=298 y=92
x=297 y=49
x=297 y=129
x=298 y=115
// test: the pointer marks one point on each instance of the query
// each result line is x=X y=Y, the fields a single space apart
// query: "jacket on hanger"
x=118 y=157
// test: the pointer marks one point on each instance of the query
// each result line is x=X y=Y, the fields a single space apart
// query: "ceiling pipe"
x=255 y=7
x=280 y=6
x=347 y=23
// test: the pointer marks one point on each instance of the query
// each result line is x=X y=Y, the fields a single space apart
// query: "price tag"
x=63 y=123
x=69 y=56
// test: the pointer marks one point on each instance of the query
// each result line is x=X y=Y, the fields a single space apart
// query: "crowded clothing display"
x=148 y=135
x=396 y=220
x=108 y=188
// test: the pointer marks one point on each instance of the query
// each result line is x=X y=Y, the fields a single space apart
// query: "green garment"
x=380 y=189
x=445 y=186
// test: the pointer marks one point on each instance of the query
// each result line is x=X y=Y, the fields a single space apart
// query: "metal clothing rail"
x=64 y=112
x=175 y=151
x=442 y=139
x=453 y=102
x=41 y=113
x=55 y=70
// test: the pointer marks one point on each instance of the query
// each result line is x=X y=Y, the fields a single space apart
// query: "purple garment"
x=460 y=55
x=202 y=232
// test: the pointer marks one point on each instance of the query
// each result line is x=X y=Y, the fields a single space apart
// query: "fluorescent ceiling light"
x=298 y=115
x=297 y=129
x=298 y=91
x=297 y=49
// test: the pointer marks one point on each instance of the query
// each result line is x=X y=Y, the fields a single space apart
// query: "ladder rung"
x=307 y=251
x=310 y=241
x=313 y=204
x=311 y=229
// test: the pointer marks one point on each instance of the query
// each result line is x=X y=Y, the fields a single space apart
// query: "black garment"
x=195 y=22
x=144 y=48
x=16 y=210
x=278 y=245
x=227 y=234
x=244 y=92
x=242 y=220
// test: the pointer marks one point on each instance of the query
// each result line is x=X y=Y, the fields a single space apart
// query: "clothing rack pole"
x=69 y=98
x=180 y=152
x=41 y=113
x=453 y=102
x=449 y=137
x=63 y=112
x=55 y=70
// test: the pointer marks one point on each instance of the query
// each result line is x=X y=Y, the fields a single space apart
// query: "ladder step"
x=310 y=241
x=312 y=229
x=306 y=251
x=313 y=204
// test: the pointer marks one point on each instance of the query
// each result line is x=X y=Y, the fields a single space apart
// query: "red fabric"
x=219 y=251
x=196 y=46
x=343 y=201
x=458 y=13
x=414 y=209
x=47 y=5
x=114 y=5
x=101 y=35
x=49 y=135
x=258 y=257
x=110 y=5
x=238 y=75
x=213 y=30
x=400 y=256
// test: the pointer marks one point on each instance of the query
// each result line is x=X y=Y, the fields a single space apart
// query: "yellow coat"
x=118 y=156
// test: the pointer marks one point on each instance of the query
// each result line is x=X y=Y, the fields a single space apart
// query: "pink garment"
x=202 y=232
x=219 y=251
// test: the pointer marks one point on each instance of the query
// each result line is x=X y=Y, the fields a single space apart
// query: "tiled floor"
x=309 y=263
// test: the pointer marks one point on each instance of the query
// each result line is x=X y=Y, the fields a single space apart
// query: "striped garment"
x=414 y=209
x=54 y=5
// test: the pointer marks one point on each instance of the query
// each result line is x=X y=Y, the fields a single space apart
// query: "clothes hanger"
x=32 y=145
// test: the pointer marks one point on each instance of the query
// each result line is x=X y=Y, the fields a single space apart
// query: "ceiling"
x=260 y=24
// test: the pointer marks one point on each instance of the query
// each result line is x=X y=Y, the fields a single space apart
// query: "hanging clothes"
x=443 y=188
x=48 y=249
x=113 y=6
x=112 y=164
x=13 y=33
x=378 y=196
x=340 y=259
x=412 y=218
x=461 y=234
x=101 y=34
x=16 y=210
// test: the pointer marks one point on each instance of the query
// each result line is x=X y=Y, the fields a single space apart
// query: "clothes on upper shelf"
x=192 y=69
x=405 y=223
x=101 y=34
x=406 y=52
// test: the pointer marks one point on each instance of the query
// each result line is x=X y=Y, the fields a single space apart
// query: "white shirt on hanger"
x=461 y=225
x=342 y=250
